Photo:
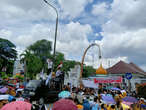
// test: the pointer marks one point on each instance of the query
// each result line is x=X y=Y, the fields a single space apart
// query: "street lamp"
x=55 y=31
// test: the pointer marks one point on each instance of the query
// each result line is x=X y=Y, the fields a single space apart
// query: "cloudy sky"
x=118 y=26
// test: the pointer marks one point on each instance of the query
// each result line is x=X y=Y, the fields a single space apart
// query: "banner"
x=108 y=80
x=89 y=84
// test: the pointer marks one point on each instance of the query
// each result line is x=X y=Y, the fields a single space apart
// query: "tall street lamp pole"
x=54 y=53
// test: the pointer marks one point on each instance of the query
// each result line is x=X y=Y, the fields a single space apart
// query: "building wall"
x=135 y=79
x=73 y=76
x=18 y=67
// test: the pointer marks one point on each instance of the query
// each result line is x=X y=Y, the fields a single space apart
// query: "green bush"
x=4 y=75
x=21 y=78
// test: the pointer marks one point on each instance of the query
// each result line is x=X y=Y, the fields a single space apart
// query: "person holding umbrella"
x=64 y=104
x=17 y=105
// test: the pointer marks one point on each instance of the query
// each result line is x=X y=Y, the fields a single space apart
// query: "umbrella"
x=108 y=100
x=4 y=97
x=116 y=89
x=64 y=104
x=130 y=99
x=17 y=105
x=3 y=90
x=127 y=103
x=64 y=94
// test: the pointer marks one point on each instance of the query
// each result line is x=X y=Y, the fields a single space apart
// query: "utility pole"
x=54 y=53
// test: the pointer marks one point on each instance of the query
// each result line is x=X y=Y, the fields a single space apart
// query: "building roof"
x=136 y=67
x=122 y=68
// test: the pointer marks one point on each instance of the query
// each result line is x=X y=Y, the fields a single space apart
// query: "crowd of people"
x=95 y=99
x=77 y=98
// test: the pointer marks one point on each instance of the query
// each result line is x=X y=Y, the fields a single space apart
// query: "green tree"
x=7 y=49
x=33 y=63
x=88 y=70
x=58 y=59
x=68 y=64
x=38 y=52
x=34 y=66
x=8 y=54
x=1 y=63
x=41 y=48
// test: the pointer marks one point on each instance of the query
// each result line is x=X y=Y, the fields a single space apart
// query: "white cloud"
x=24 y=22
x=143 y=67
x=32 y=34
x=73 y=8
x=99 y=9
x=93 y=60
x=131 y=44
x=124 y=33
x=109 y=62
x=37 y=32
x=72 y=39
x=97 y=34
x=5 y=34
x=126 y=16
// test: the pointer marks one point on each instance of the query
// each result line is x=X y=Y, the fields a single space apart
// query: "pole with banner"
x=128 y=76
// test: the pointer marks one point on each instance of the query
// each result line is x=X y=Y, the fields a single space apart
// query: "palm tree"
x=32 y=63
x=25 y=59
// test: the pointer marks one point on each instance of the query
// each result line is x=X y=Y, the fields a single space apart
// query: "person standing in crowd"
x=103 y=107
x=86 y=105
x=96 y=105
x=19 y=96
x=112 y=107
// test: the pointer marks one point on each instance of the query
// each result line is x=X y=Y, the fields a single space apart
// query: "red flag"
x=60 y=65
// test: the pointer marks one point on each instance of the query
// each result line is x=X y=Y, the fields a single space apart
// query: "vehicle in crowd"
x=36 y=90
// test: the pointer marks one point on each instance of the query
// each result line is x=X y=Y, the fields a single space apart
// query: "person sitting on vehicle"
x=59 y=79
x=58 y=73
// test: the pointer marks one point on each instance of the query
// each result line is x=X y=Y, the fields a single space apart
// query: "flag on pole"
x=49 y=78
x=60 y=65
x=42 y=74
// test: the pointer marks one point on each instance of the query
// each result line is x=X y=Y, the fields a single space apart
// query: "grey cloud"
x=27 y=10
x=135 y=18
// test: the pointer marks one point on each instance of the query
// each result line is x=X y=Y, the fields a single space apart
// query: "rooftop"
x=121 y=68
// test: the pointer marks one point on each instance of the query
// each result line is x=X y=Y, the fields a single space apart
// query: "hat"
x=141 y=98
x=64 y=94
